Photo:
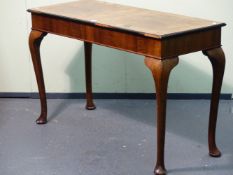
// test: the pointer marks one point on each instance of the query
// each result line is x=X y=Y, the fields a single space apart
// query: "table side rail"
x=96 y=34
x=191 y=42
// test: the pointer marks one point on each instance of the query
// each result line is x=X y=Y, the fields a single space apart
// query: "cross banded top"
x=150 y=23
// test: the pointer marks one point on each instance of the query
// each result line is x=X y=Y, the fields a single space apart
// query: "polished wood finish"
x=217 y=59
x=160 y=37
x=145 y=22
x=35 y=39
x=98 y=35
x=132 y=42
x=160 y=70
x=192 y=42
x=88 y=54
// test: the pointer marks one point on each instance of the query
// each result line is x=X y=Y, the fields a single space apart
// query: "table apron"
x=164 y=48
x=99 y=35
x=191 y=42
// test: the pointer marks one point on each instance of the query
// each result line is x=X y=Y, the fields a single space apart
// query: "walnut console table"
x=160 y=37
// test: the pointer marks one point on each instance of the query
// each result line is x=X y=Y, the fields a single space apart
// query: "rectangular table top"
x=148 y=22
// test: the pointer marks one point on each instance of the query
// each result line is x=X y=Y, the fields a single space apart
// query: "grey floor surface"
x=118 y=138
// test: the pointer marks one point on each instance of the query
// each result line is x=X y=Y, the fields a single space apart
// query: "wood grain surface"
x=160 y=37
x=148 y=22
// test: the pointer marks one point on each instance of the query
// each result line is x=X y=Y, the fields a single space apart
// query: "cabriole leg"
x=35 y=39
x=217 y=59
x=88 y=56
x=160 y=70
